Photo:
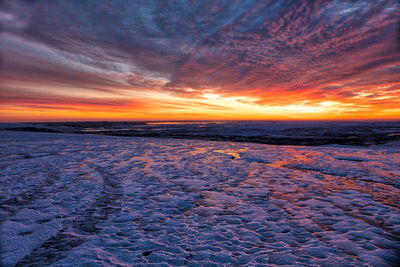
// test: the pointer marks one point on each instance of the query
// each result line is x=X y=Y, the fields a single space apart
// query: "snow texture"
x=87 y=200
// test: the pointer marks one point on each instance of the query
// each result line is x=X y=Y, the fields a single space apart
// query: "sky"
x=199 y=60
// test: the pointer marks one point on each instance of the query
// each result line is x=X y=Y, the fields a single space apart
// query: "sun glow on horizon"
x=164 y=106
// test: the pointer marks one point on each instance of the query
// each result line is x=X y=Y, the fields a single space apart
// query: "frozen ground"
x=88 y=200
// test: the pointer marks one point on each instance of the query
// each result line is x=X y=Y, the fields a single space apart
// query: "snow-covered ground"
x=88 y=200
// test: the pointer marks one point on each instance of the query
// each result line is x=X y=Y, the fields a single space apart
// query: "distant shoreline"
x=305 y=133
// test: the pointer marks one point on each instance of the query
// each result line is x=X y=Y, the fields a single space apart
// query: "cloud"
x=280 y=52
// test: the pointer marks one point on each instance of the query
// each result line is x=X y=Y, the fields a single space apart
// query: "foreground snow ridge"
x=100 y=201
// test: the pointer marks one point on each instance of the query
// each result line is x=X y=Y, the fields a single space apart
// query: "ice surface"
x=90 y=200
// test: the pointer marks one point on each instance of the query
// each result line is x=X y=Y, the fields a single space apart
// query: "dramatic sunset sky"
x=199 y=59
